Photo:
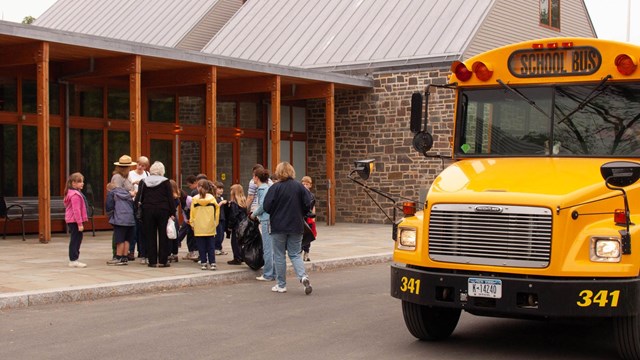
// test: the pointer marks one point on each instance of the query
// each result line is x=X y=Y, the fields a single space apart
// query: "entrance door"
x=182 y=155
x=225 y=150
x=236 y=158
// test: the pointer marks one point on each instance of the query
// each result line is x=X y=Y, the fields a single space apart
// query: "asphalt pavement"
x=34 y=273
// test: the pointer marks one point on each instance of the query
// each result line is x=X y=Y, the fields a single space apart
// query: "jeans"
x=75 y=241
x=206 y=249
x=290 y=243
x=267 y=248
x=220 y=234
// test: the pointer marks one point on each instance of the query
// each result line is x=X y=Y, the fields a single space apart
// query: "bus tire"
x=627 y=335
x=429 y=323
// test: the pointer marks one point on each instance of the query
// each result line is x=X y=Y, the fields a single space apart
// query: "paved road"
x=349 y=315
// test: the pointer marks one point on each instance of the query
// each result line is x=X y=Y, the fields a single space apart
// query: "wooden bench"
x=26 y=208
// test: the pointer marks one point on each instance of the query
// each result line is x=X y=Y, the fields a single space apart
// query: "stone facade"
x=374 y=124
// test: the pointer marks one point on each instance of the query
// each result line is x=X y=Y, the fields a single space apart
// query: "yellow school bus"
x=537 y=216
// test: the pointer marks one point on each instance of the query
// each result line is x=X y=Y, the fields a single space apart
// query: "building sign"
x=575 y=61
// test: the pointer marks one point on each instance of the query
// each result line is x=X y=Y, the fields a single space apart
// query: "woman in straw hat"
x=122 y=235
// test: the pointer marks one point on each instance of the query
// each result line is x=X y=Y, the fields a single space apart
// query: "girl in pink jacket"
x=75 y=215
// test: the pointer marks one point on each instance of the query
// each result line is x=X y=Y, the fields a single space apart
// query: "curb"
x=25 y=299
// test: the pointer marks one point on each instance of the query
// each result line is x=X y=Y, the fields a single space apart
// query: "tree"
x=28 y=20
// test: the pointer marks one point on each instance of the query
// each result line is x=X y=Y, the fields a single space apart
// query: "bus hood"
x=553 y=181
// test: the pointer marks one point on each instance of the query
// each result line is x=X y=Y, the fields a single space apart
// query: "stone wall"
x=374 y=124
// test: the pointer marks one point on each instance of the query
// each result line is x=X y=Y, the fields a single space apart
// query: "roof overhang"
x=68 y=46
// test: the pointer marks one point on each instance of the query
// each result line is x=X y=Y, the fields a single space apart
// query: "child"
x=219 y=187
x=205 y=214
x=237 y=211
x=310 y=218
x=180 y=202
x=75 y=215
x=119 y=205
x=261 y=179
x=192 y=248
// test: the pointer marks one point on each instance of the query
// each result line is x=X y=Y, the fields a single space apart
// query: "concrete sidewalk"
x=35 y=273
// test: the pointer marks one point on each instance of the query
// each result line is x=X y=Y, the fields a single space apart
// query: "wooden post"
x=331 y=152
x=135 y=98
x=275 y=124
x=210 y=105
x=44 y=166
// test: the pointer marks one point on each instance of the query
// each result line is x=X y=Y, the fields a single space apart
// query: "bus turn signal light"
x=482 y=70
x=619 y=217
x=461 y=71
x=409 y=208
x=626 y=64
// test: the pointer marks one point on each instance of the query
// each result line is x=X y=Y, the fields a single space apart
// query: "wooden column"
x=211 y=104
x=331 y=152
x=275 y=124
x=44 y=166
x=135 y=98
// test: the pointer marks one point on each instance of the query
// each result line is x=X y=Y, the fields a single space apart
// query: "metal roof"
x=155 y=22
x=68 y=46
x=341 y=34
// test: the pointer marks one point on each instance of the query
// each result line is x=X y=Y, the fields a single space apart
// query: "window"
x=8 y=94
x=191 y=110
x=118 y=104
x=86 y=157
x=85 y=101
x=30 y=97
x=550 y=13
x=162 y=107
x=8 y=158
x=30 y=161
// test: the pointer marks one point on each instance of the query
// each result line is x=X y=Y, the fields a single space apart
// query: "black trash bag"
x=253 y=254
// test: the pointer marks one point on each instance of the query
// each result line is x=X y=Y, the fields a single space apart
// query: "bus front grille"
x=497 y=235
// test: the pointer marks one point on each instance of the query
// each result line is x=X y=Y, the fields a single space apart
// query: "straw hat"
x=125 y=160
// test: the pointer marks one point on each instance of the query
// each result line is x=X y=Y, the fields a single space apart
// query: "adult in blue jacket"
x=287 y=202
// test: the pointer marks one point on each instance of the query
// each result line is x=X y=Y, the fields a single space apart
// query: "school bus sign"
x=582 y=60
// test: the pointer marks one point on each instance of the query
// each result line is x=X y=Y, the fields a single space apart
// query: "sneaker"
x=234 y=262
x=305 y=257
x=279 y=289
x=307 y=286
x=144 y=261
x=113 y=261
x=203 y=267
x=212 y=266
x=187 y=256
x=77 y=264
x=194 y=256
x=123 y=261
x=131 y=256
x=262 y=278
x=221 y=252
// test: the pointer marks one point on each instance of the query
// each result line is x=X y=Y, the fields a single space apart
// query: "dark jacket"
x=155 y=193
x=287 y=202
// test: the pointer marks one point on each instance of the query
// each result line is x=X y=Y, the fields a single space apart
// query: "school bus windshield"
x=594 y=120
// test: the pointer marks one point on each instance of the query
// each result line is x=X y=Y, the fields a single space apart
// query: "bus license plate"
x=485 y=288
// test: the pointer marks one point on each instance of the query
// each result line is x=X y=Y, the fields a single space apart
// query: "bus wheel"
x=429 y=323
x=627 y=335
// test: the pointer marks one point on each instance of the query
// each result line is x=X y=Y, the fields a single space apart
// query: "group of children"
x=207 y=218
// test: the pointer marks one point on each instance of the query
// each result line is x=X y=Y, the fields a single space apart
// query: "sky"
x=609 y=17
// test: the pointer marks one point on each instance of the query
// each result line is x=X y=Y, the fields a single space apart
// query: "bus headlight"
x=605 y=249
x=407 y=238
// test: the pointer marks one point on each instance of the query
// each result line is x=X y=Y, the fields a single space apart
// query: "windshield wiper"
x=588 y=99
x=523 y=97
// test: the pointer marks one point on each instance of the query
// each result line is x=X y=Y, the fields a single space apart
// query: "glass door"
x=225 y=166
x=162 y=148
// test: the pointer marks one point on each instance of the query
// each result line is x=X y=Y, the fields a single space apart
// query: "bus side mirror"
x=422 y=140
x=620 y=173
x=364 y=168
x=416 y=112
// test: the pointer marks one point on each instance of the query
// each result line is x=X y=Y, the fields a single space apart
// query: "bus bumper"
x=510 y=296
